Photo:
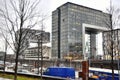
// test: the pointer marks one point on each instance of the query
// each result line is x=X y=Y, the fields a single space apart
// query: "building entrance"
x=92 y=41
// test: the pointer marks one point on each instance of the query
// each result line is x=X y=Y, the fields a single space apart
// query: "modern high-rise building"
x=70 y=24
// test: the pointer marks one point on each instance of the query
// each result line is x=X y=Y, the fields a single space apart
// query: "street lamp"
x=39 y=42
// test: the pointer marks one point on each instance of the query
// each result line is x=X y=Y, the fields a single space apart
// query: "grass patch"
x=6 y=76
x=10 y=76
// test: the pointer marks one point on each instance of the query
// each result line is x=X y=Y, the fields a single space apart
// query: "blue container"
x=65 y=72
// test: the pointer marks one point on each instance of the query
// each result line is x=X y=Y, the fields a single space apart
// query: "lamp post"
x=39 y=42
x=38 y=52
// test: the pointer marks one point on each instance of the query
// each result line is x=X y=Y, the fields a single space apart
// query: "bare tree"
x=112 y=23
x=15 y=16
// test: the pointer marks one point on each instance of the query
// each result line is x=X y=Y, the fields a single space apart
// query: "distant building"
x=32 y=53
x=2 y=55
x=10 y=57
x=70 y=23
x=33 y=36
x=107 y=44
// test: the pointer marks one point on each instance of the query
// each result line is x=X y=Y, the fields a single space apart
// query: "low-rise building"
x=114 y=42
x=32 y=53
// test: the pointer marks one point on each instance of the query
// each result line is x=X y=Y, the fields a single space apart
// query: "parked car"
x=35 y=70
x=24 y=71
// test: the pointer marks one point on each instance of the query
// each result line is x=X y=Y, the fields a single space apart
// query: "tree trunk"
x=112 y=67
x=112 y=61
x=16 y=66
x=4 y=61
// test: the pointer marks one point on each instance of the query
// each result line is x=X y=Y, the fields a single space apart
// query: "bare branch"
x=22 y=15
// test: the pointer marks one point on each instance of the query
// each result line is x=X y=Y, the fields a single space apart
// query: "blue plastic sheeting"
x=65 y=72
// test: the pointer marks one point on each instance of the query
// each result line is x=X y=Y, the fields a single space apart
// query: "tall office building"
x=70 y=23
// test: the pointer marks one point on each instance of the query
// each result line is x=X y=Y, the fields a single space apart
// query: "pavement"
x=4 y=79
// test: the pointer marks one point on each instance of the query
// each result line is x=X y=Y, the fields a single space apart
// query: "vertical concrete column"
x=92 y=46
